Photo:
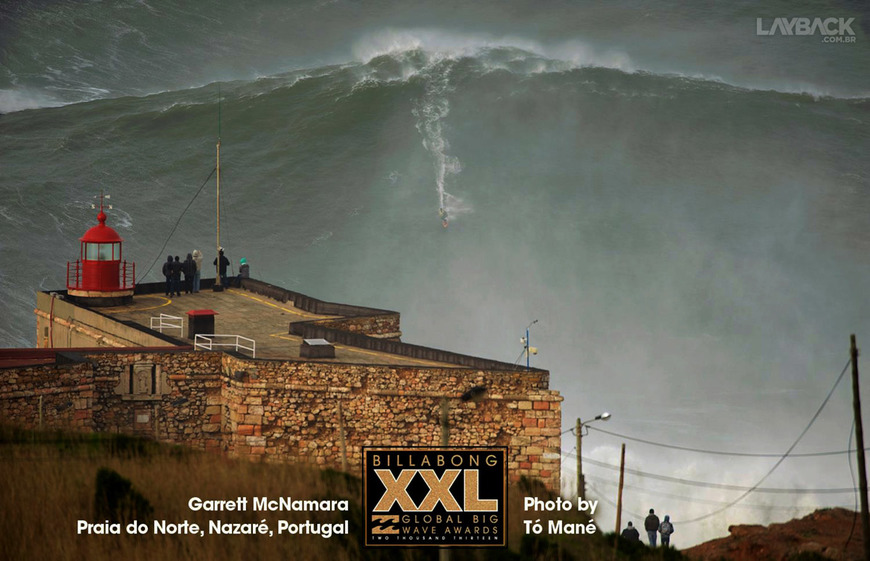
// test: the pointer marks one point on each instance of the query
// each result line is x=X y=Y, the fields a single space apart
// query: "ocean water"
x=680 y=202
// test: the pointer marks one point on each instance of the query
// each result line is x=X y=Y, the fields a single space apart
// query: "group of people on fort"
x=191 y=269
x=653 y=528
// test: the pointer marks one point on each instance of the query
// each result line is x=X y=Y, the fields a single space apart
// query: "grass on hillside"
x=49 y=483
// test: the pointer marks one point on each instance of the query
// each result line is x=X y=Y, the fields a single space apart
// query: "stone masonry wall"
x=386 y=326
x=48 y=396
x=288 y=410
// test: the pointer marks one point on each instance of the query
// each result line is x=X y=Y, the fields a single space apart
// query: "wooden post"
x=619 y=501
x=619 y=493
x=859 y=437
x=581 y=482
x=341 y=438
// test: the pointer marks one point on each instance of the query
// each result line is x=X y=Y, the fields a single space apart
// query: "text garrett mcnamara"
x=266 y=504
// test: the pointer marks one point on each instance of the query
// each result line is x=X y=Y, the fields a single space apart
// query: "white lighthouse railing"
x=166 y=321
x=207 y=341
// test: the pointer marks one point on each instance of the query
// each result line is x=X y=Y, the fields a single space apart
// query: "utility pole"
x=578 y=431
x=859 y=437
x=581 y=482
x=619 y=494
x=619 y=501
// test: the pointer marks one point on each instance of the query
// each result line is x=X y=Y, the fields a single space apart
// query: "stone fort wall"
x=280 y=410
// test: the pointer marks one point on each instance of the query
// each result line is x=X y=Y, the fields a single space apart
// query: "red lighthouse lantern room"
x=99 y=277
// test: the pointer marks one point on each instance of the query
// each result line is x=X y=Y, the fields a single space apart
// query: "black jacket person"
x=189 y=269
x=651 y=525
x=167 y=272
x=176 y=275
x=222 y=268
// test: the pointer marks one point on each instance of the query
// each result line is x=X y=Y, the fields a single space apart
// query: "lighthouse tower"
x=99 y=277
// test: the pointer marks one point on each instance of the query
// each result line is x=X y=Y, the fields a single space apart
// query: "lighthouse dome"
x=101 y=233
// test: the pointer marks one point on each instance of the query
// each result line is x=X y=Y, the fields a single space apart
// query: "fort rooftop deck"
x=278 y=320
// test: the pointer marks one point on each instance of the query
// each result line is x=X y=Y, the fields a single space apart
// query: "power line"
x=718 y=452
x=614 y=505
x=756 y=487
x=784 y=456
x=160 y=253
x=707 y=484
x=605 y=481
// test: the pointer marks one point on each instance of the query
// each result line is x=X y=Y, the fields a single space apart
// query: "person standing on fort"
x=666 y=529
x=189 y=269
x=651 y=525
x=631 y=533
x=197 y=259
x=244 y=271
x=167 y=272
x=224 y=263
x=176 y=276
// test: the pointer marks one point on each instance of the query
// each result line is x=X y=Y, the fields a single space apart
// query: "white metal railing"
x=165 y=321
x=207 y=341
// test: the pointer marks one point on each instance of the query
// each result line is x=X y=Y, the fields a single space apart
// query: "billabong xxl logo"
x=435 y=496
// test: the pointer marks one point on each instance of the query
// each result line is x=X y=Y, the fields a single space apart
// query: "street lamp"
x=578 y=430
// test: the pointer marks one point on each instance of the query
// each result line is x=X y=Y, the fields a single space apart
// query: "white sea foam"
x=430 y=111
x=22 y=99
x=534 y=57
x=445 y=44
x=121 y=219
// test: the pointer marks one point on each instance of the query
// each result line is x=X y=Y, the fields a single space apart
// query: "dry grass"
x=49 y=483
